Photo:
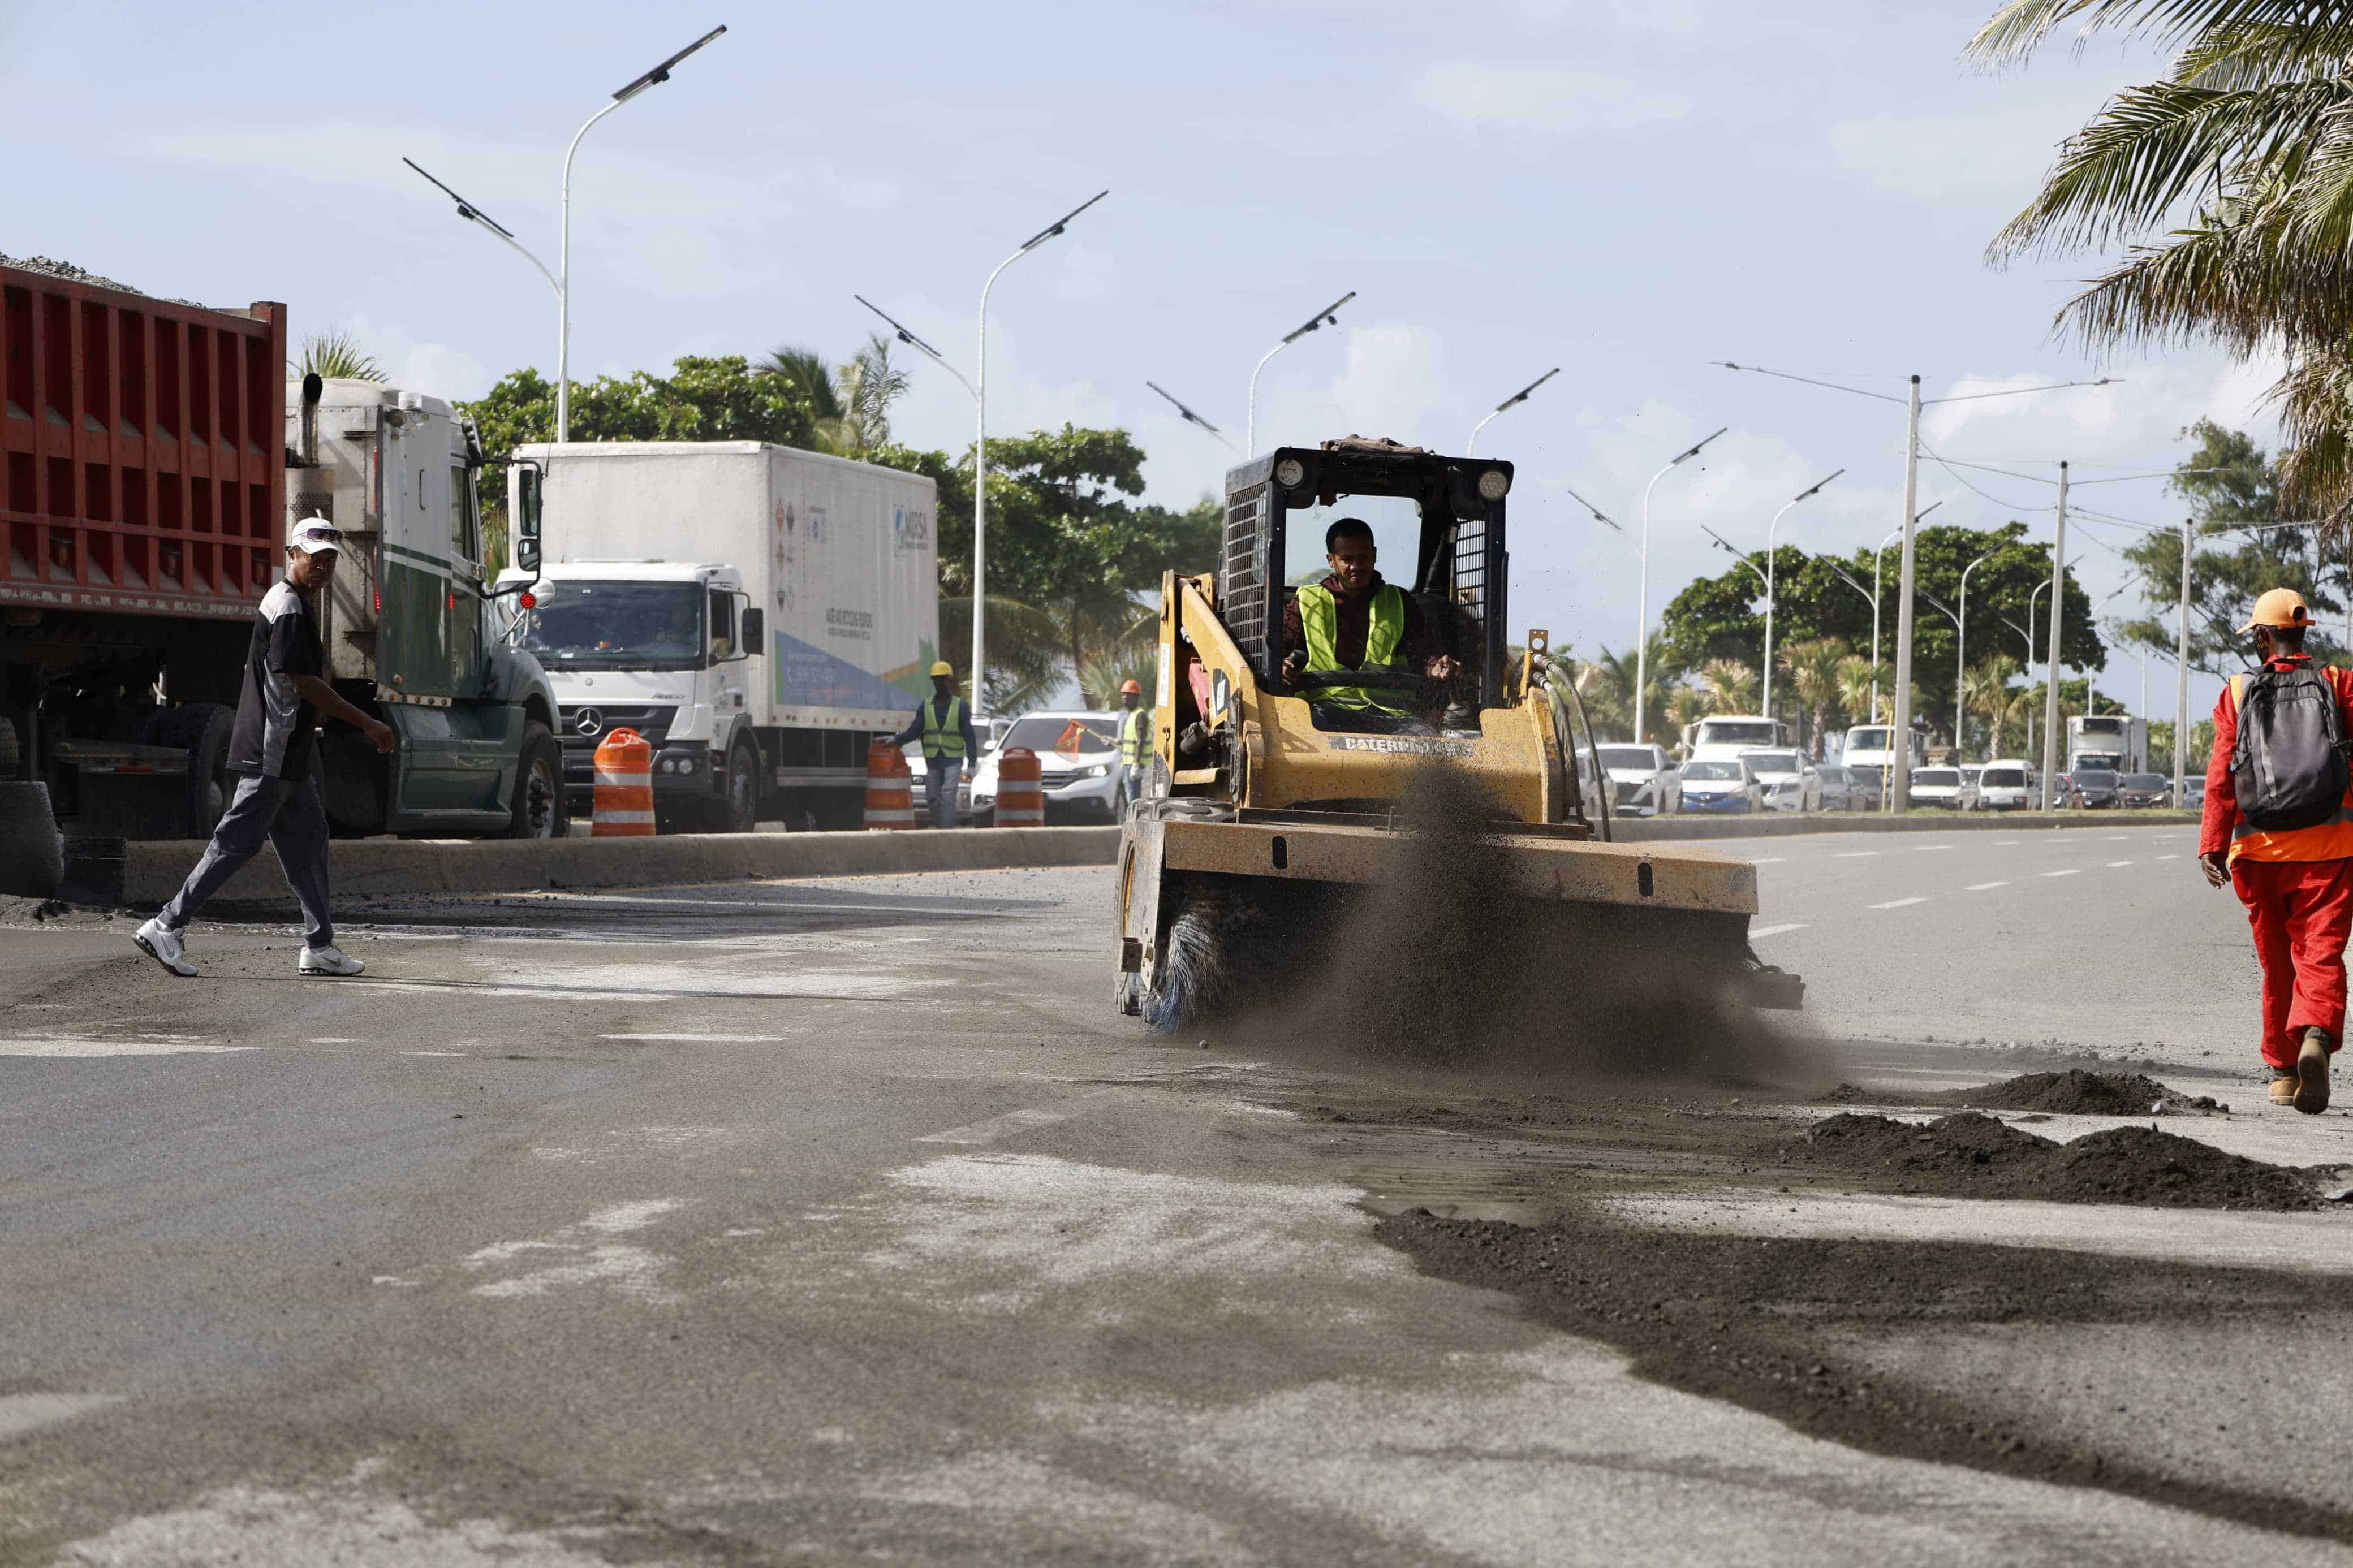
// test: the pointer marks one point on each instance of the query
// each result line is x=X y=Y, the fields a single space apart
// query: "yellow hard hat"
x=943 y=667
x=2280 y=607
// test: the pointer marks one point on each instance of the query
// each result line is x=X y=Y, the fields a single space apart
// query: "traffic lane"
x=972 y=1293
x=2106 y=942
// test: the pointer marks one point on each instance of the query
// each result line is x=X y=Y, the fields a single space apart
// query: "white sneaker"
x=327 y=961
x=165 y=947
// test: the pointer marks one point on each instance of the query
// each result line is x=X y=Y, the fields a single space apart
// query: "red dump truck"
x=149 y=449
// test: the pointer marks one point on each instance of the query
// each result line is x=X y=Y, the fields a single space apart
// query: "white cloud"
x=1550 y=100
x=435 y=369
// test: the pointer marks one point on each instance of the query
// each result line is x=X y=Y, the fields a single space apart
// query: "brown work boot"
x=2311 y=1072
x=2285 y=1085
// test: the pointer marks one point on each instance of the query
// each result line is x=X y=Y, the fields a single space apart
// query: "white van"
x=1869 y=756
x=2006 y=783
x=1726 y=735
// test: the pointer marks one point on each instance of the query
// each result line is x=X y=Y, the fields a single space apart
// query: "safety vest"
x=942 y=731
x=1131 y=737
x=2330 y=840
x=1319 y=619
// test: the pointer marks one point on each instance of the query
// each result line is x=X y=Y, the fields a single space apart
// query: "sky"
x=1628 y=189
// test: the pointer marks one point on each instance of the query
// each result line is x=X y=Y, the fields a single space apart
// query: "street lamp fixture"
x=472 y=213
x=907 y=336
x=1771 y=565
x=1326 y=316
x=1192 y=418
x=1642 y=587
x=1598 y=515
x=1514 y=401
x=980 y=454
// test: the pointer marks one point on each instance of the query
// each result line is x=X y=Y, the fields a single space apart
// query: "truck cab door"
x=466 y=606
x=727 y=668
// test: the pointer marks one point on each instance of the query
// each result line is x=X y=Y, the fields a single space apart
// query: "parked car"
x=1839 y=790
x=1643 y=781
x=1949 y=788
x=2193 y=792
x=2145 y=791
x=2006 y=783
x=1790 y=780
x=1078 y=766
x=1723 y=786
x=2092 y=789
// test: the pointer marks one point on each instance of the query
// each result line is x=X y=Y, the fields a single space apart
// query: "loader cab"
x=1438 y=522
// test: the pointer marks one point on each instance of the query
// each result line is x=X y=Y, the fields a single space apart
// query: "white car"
x=1841 y=791
x=1078 y=764
x=2006 y=783
x=1643 y=781
x=1790 y=780
x=1725 y=784
x=1947 y=788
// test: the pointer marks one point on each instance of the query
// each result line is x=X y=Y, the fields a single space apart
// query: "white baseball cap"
x=315 y=536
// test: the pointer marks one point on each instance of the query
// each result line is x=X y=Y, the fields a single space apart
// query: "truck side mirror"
x=755 y=632
x=525 y=512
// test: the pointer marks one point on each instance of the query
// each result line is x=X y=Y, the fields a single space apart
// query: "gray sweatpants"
x=289 y=817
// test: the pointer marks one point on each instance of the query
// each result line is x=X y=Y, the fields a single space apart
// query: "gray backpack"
x=2288 y=769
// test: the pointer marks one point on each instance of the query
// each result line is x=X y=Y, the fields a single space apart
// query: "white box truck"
x=2114 y=742
x=757 y=614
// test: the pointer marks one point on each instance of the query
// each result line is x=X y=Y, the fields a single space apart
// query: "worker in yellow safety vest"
x=1354 y=620
x=945 y=725
x=1135 y=739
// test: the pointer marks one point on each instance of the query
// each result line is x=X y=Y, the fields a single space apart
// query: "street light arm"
x=1322 y=318
x=1192 y=418
x=1516 y=398
x=1051 y=229
x=1598 y=515
x=917 y=343
x=661 y=73
x=473 y=213
x=1327 y=315
x=1693 y=451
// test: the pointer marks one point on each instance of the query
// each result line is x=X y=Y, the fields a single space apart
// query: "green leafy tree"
x=701 y=400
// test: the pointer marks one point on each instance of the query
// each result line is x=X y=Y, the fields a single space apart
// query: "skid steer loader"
x=1261 y=804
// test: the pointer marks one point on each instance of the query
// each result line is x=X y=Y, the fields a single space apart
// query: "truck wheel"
x=738 y=811
x=538 y=809
x=204 y=730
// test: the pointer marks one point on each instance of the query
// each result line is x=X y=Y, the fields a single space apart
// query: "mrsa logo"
x=911 y=529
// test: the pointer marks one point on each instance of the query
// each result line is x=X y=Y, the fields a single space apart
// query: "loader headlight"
x=1494 y=485
x=1291 y=473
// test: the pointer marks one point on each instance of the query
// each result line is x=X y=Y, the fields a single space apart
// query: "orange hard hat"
x=2280 y=607
x=1128 y=687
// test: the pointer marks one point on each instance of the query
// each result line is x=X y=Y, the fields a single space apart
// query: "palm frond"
x=337 y=356
x=2023 y=26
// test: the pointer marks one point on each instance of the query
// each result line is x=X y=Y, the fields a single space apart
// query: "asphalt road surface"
x=836 y=1222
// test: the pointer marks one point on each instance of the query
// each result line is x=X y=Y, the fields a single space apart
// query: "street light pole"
x=1900 y=772
x=1961 y=658
x=1518 y=397
x=979 y=701
x=1326 y=316
x=2058 y=608
x=1642 y=588
x=1771 y=566
x=653 y=78
x=2182 y=674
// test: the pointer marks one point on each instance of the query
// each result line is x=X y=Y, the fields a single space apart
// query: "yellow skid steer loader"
x=1265 y=802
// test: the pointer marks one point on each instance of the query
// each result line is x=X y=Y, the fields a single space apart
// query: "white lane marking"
x=1854 y=855
x=705 y=1039
x=23 y=1413
x=1925 y=848
x=2168 y=857
x=433 y=1053
x=2069 y=872
x=1898 y=903
x=2114 y=864
x=774 y=904
x=1981 y=887
x=1776 y=930
x=996 y=1127
x=2005 y=844
x=1768 y=861
x=332 y=1040
x=73 y=1048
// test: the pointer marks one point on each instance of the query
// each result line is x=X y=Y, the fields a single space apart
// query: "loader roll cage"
x=1458 y=575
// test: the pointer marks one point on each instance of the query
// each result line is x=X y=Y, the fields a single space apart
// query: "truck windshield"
x=616 y=625
x=1866 y=740
x=1631 y=758
x=1738 y=732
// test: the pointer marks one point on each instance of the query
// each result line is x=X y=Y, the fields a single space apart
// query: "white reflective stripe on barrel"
x=622 y=815
x=625 y=781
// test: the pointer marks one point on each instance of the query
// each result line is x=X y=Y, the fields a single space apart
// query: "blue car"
x=1722 y=787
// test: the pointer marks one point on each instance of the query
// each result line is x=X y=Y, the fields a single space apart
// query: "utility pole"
x=1900 y=743
x=2181 y=677
x=2058 y=609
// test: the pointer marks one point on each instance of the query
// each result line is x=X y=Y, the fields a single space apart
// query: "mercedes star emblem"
x=588 y=721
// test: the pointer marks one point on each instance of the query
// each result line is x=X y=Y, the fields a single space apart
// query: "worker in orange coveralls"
x=2296 y=881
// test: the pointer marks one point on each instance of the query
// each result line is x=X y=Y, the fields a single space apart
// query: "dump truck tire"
x=204 y=730
x=538 y=809
x=32 y=855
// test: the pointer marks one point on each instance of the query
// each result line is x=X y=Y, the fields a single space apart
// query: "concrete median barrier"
x=365 y=867
x=1776 y=825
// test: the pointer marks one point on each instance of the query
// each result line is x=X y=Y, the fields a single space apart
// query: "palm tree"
x=1732 y=685
x=1813 y=664
x=1607 y=687
x=1987 y=691
x=2247 y=132
x=1025 y=650
x=337 y=356
x=866 y=387
x=1859 y=680
x=1687 y=705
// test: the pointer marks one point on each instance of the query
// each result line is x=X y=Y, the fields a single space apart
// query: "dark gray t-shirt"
x=275 y=728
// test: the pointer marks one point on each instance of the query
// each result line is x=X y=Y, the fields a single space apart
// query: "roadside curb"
x=1644 y=830
x=378 y=868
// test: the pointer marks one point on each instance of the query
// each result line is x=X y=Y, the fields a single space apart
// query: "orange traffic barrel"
x=623 y=807
x=1020 y=798
x=889 y=788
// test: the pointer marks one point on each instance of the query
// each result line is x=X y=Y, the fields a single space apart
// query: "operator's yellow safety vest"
x=1319 y=619
x=2331 y=840
x=1131 y=737
x=942 y=731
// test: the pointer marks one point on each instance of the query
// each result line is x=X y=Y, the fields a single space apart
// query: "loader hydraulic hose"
x=1561 y=682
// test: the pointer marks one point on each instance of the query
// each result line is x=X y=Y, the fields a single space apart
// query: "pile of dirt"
x=1850 y=1094
x=2072 y=1093
x=1973 y=1155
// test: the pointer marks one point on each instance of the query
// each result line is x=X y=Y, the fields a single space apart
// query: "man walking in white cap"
x=2278 y=828
x=272 y=748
